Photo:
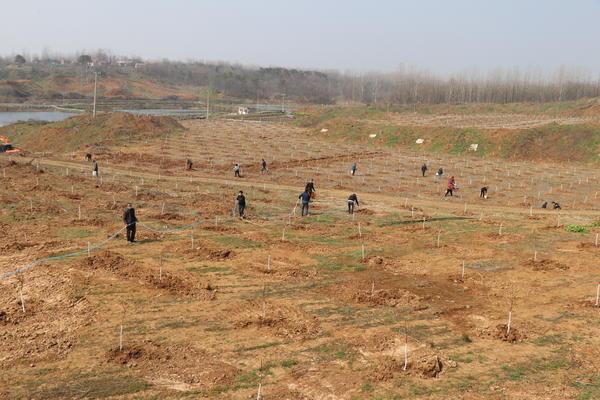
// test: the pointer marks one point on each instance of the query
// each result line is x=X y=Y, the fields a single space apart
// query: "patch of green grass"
x=335 y=350
x=258 y=347
x=205 y=269
x=69 y=233
x=520 y=371
x=589 y=386
x=288 y=363
x=103 y=386
x=367 y=387
x=548 y=340
x=576 y=229
x=236 y=242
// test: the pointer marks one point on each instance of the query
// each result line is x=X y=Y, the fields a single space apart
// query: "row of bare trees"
x=327 y=87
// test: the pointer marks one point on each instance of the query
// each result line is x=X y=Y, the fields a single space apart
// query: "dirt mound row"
x=387 y=367
x=55 y=309
x=545 y=265
x=174 y=284
x=356 y=292
x=175 y=363
x=282 y=321
x=76 y=132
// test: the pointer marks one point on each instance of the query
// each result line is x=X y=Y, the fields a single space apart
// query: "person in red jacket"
x=451 y=186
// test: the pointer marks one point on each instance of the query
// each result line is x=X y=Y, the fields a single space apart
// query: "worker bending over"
x=351 y=201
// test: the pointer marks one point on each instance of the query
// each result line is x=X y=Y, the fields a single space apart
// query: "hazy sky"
x=438 y=35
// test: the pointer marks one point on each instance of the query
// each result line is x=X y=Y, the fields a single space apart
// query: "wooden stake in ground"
x=269 y=263
x=363 y=250
x=405 y=347
x=21 y=281
x=121 y=327
x=509 y=318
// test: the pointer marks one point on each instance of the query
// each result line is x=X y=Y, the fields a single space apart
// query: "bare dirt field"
x=414 y=296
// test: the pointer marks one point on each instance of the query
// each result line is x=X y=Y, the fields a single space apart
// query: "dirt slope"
x=74 y=133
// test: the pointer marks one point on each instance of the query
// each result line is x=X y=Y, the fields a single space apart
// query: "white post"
x=95 y=91
x=500 y=229
x=363 y=250
x=269 y=263
x=509 y=319
x=23 y=300
x=121 y=338
x=596 y=243
x=192 y=237
x=597 y=295
x=79 y=212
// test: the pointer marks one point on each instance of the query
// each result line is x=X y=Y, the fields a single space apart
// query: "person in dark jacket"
x=129 y=219
x=310 y=188
x=263 y=167
x=423 y=169
x=483 y=192
x=555 y=206
x=241 y=202
x=353 y=169
x=353 y=199
x=237 y=169
x=95 y=168
x=439 y=173
x=189 y=164
x=305 y=197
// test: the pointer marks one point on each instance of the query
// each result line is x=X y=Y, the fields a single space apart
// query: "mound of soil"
x=174 y=284
x=75 y=132
x=386 y=297
x=106 y=260
x=546 y=265
x=178 y=363
x=387 y=368
x=283 y=321
x=513 y=336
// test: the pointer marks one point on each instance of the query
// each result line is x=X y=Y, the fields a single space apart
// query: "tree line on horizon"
x=405 y=86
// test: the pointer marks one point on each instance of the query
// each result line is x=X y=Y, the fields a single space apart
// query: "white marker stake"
x=269 y=263
x=363 y=250
x=530 y=211
x=79 y=212
x=258 y=397
x=23 y=301
x=162 y=210
x=500 y=229
x=597 y=295
x=192 y=237
x=535 y=255
x=405 y=356
x=509 y=319
x=121 y=338
x=596 y=243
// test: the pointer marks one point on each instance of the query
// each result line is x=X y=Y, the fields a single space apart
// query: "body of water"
x=10 y=117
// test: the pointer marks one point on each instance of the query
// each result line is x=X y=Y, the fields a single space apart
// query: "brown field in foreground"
x=408 y=298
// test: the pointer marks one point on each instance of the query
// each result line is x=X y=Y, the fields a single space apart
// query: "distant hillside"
x=76 y=132
x=569 y=138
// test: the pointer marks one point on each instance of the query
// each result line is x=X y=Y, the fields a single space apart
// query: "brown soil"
x=281 y=321
x=175 y=363
x=545 y=265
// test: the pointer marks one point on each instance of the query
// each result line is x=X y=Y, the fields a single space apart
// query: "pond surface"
x=10 y=117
